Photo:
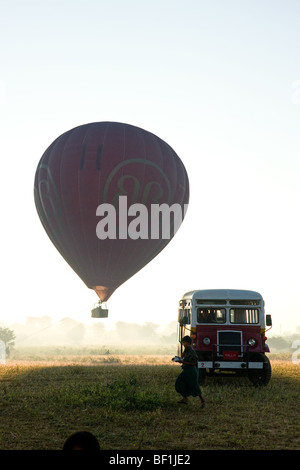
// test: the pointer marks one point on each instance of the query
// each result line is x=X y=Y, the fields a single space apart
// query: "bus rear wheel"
x=260 y=377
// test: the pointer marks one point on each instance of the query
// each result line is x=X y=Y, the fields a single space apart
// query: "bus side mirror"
x=268 y=320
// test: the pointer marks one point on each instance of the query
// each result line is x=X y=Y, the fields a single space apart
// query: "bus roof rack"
x=223 y=294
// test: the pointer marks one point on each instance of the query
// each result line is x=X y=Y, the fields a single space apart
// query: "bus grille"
x=229 y=341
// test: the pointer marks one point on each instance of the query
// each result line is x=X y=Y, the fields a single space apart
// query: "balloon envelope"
x=97 y=164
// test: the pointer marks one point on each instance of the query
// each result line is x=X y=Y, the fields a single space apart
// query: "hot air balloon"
x=110 y=170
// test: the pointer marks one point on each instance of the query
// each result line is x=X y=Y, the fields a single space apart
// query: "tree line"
x=41 y=331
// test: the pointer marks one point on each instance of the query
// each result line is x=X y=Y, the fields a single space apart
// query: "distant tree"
x=8 y=337
x=73 y=330
x=137 y=333
x=76 y=334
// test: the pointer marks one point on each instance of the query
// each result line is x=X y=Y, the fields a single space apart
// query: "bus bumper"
x=229 y=365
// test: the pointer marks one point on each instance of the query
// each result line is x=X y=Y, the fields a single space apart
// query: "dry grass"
x=129 y=402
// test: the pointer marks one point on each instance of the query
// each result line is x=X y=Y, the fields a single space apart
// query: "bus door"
x=184 y=324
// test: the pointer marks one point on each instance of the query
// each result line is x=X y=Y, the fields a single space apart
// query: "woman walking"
x=187 y=382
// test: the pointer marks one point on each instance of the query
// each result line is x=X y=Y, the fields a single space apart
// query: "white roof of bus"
x=223 y=294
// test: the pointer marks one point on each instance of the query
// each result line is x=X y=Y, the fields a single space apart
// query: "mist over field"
x=44 y=331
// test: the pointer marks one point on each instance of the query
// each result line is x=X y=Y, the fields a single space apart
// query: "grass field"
x=129 y=402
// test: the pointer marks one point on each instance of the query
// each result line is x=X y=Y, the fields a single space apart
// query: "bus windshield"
x=211 y=315
x=244 y=315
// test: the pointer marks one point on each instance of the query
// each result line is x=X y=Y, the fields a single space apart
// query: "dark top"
x=189 y=355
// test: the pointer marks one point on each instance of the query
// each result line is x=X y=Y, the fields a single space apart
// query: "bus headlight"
x=206 y=341
x=252 y=342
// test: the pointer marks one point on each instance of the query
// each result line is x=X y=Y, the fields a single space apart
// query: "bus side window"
x=184 y=317
x=187 y=317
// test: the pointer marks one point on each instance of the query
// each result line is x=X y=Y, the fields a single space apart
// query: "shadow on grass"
x=42 y=405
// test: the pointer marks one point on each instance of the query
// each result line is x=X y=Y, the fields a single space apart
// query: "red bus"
x=228 y=329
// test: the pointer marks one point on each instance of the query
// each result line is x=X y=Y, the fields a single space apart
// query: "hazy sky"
x=220 y=82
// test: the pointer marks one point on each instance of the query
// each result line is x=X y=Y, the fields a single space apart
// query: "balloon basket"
x=100 y=311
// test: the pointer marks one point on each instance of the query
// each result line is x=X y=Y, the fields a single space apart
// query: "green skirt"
x=187 y=382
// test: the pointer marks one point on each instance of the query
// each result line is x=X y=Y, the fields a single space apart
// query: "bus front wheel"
x=259 y=377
